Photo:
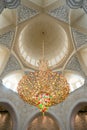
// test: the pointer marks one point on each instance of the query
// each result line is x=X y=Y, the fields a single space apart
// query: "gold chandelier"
x=43 y=88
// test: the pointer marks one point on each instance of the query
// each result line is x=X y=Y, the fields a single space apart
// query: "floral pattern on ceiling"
x=75 y=4
x=8 y=4
x=27 y=13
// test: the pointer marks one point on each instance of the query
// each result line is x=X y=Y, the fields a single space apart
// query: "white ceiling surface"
x=78 y=21
x=31 y=40
x=4 y=55
x=74 y=79
x=11 y=80
x=7 y=17
x=43 y=3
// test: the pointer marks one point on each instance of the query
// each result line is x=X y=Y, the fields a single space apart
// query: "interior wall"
x=23 y=113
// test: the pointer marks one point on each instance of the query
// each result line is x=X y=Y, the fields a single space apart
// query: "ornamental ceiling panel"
x=74 y=64
x=11 y=65
x=65 y=31
x=10 y=4
x=79 y=38
x=78 y=20
x=25 y=13
x=43 y=3
x=29 y=41
x=6 y=20
x=7 y=39
x=60 y=13
x=75 y=4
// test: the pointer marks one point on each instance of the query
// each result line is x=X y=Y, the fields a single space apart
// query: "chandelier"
x=43 y=88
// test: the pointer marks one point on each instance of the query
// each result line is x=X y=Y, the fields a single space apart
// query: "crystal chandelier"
x=43 y=88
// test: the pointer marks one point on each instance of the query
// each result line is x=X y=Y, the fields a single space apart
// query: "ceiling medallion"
x=75 y=4
x=43 y=88
x=10 y=4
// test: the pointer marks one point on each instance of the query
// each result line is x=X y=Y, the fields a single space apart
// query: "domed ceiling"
x=43 y=28
x=39 y=32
